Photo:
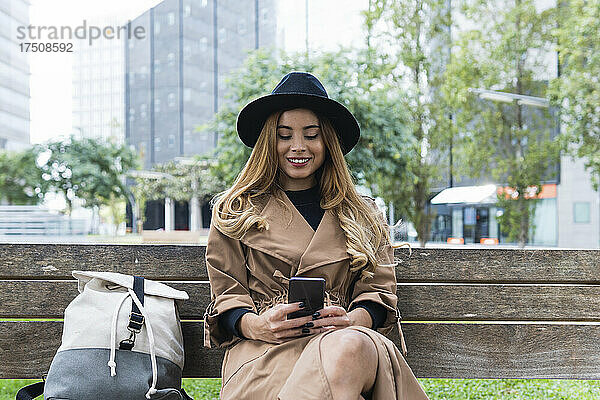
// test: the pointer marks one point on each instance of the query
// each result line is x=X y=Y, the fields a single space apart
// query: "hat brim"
x=252 y=117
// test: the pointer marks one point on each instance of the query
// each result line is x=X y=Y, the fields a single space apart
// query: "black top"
x=307 y=202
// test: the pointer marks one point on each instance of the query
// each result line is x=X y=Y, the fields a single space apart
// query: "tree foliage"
x=418 y=30
x=88 y=169
x=513 y=143
x=20 y=178
x=181 y=181
x=577 y=90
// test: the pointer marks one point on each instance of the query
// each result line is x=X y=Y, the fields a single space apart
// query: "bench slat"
x=56 y=261
x=417 y=302
x=435 y=350
x=179 y=262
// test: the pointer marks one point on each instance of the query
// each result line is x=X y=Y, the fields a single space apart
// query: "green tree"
x=576 y=92
x=20 y=178
x=87 y=169
x=511 y=142
x=378 y=159
x=182 y=180
x=418 y=30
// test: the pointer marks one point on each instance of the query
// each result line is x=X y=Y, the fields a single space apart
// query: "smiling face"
x=300 y=148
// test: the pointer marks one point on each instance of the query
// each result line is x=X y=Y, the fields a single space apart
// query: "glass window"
x=171 y=59
x=171 y=18
x=157 y=105
x=457 y=223
x=171 y=141
x=156 y=66
x=241 y=28
x=171 y=99
x=204 y=3
x=187 y=94
x=187 y=10
x=156 y=144
x=156 y=28
x=204 y=44
x=581 y=212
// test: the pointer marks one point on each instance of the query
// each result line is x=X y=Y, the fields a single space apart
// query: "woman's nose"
x=298 y=144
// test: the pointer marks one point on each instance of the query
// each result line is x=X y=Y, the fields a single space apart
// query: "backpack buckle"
x=127 y=344
x=136 y=321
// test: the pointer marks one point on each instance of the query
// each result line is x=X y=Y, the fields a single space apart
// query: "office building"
x=14 y=77
x=98 y=85
x=175 y=75
x=174 y=80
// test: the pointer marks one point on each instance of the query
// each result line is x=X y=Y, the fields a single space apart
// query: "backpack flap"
x=151 y=288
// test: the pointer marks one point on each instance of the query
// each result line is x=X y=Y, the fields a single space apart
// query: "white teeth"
x=298 y=161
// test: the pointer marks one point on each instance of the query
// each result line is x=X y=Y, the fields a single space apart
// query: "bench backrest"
x=468 y=313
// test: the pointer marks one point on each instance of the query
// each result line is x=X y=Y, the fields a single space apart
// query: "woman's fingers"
x=342 y=321
x=332 y=311
x=283 y=329
x=278 y=319
x=332 y=317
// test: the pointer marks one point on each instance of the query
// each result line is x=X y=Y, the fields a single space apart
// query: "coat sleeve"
x=227 y=272
x=381 y=288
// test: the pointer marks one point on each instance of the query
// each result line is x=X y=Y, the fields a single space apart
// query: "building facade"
x=175 y=75
x=14 y=77
x=98 y=85
x=174 y=81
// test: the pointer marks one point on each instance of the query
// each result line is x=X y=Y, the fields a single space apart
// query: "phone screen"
x=309 y=290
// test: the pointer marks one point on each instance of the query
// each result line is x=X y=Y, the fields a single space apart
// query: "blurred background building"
x=14 y=77
x=174 y=79
x=98 y=84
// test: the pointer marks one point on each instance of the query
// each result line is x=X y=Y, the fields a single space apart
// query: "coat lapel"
x=291 y=239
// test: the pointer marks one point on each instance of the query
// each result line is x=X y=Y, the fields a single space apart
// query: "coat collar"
x=291 y=239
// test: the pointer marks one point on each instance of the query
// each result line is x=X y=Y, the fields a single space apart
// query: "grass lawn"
x=437 y=389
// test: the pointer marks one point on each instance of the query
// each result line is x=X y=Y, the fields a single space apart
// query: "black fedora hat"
x=298 y=90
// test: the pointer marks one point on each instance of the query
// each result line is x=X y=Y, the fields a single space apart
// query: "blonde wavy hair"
x=234 y=212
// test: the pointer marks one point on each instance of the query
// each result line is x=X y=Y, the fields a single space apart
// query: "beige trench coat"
x=253 y=273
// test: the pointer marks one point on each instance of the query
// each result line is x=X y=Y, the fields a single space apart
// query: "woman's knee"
x=349 y=344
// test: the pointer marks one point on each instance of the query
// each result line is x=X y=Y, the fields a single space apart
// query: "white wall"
x=575 y=186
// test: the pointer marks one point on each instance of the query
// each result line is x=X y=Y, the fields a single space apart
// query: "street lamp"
x=505 y=97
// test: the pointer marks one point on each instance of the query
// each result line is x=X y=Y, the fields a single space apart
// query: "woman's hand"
x=272 y=326
x=334 y=317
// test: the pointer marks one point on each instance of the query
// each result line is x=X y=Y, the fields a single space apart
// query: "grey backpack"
x=121 y=340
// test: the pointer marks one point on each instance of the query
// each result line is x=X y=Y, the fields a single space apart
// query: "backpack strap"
x=136 y=319
x=30 y=392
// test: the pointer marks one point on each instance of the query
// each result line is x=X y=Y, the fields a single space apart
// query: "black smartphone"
x=309 y=290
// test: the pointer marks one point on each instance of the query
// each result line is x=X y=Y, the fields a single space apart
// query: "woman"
x=293 y=211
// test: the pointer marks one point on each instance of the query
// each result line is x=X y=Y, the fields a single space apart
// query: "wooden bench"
x=468 y=313
x=163 y=237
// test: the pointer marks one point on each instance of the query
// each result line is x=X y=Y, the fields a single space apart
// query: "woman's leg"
x=350 y=363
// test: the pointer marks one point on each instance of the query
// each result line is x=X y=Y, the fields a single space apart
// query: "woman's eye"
x=311 y=136
x=283 y=137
